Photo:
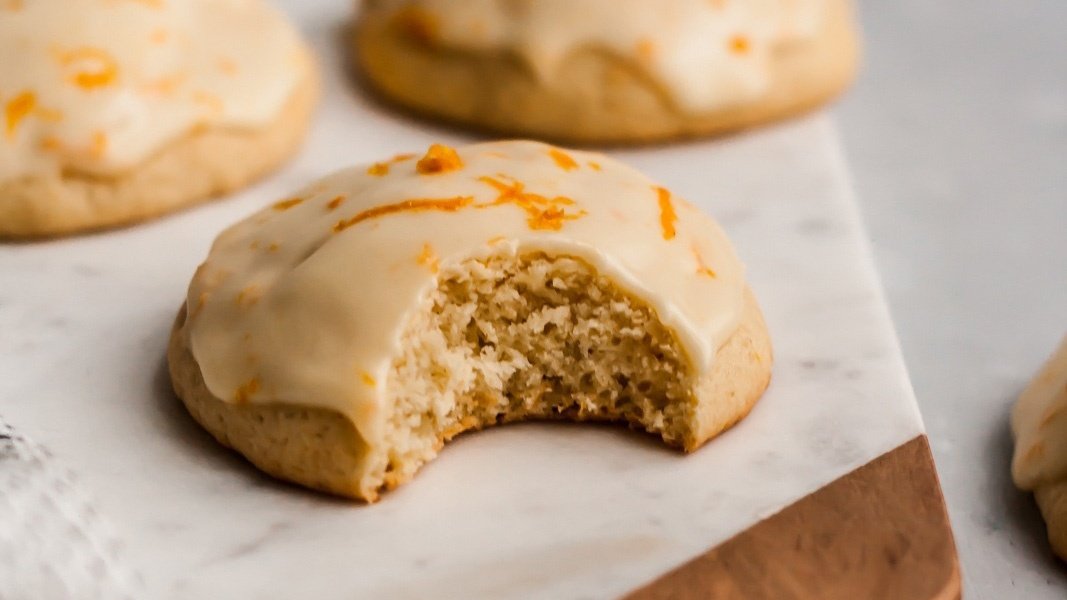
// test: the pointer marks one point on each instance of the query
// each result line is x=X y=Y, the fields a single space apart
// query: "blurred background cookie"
x=607 y=71
x=1039 y=422
x=115 y=112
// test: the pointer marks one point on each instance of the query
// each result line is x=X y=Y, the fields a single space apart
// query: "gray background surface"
x=957 y=136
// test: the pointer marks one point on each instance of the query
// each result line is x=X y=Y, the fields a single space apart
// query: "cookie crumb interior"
x=531 y=336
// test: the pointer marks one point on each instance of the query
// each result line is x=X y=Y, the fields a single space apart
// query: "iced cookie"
x=339 y=337
x=1039 y=422
x=607 y=71
x=115 y=111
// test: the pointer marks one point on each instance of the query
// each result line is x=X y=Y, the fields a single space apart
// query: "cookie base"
x=595 y=98
x=321 y=449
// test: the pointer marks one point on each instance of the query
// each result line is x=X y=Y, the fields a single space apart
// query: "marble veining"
x=531 y=510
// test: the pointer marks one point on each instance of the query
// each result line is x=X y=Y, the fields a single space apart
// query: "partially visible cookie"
x=1039 y=422
x=608 y=71
x=340 y=336
x=115 y=112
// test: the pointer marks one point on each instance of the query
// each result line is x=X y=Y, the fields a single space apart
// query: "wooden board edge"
x=880 y=531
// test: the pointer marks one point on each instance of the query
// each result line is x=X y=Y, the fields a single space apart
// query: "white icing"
x=311 y=315
x=708 y=54
x=99 y=85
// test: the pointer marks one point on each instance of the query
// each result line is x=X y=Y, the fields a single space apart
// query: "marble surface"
x=537 y=510
x=956 y=135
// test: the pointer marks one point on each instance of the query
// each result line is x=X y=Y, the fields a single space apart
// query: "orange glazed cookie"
x=608 y=71
x=339 y=337
x=118 y=111
x=1039 y=422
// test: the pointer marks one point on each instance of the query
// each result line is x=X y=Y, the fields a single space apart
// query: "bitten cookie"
x=339 y=337
x=1039 y=422
x=115 y=112
x=607 y=71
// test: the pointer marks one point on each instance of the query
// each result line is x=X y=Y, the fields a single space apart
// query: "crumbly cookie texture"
x=604 y=71
x=340 y=336
x=119 y=111
x=1039 y=421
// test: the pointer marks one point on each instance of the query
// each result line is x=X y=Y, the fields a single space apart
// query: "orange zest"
x=563 y=160
x=17 y=109
x=428 y=258
x=382 y=168
x=702 y=267
x=246 y=391
x=542 y=213
x=286 y=204
x=667 y=216
x=333 y=204
x=414 y=205
x=739 y=44
x=248 y=296
x=439 y=159
x=367 y=379
x=91 y=67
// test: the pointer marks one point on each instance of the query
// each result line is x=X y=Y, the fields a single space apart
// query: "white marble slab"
x=530 y=511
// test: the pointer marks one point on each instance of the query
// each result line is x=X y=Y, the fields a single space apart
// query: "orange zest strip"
x=702 y=267
x=428 y=258
x=542 y=213
x=739 y=44
x=563 y=160
x=594 y=165
x=333 y=204
x=439 y=159
x=414 y=205
x=286 y=204
x=245 y=392
x=248 y=296
x=667 y=217
x=17 y=109
x=94 y=67
x=366 y=378
x=382 y=168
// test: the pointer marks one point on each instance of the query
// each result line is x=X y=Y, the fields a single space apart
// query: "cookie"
x=116 y=112
x=1039 y=422
x=607 y=71
x=340 y=336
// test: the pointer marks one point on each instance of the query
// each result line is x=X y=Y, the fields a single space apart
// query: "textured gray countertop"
x=957 y=137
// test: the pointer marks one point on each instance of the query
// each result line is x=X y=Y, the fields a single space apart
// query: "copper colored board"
x=881 y=531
